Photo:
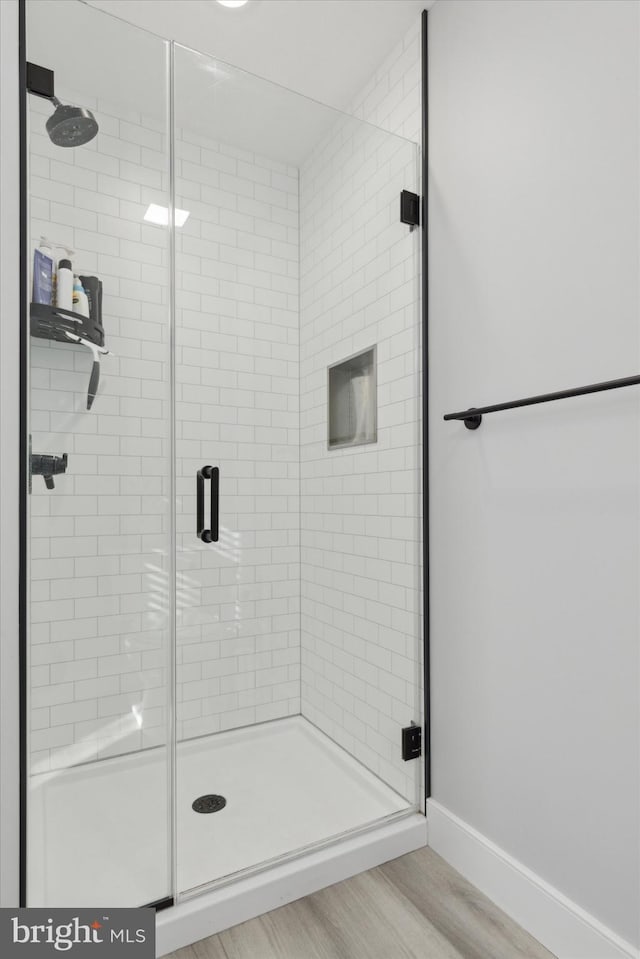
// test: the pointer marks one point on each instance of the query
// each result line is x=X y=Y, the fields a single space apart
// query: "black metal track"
x=473 y=416
x=22 y=560
x=425 y=397
x=159 y=904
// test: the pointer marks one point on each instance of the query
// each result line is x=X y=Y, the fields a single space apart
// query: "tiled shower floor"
x=98 y=834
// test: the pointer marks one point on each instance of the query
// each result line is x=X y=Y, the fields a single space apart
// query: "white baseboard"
x=568 y=931
x=228 y=905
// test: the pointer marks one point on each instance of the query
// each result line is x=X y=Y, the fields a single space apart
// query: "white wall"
x=534 y=518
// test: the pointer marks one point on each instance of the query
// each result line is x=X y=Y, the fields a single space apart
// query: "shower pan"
x=223 y=642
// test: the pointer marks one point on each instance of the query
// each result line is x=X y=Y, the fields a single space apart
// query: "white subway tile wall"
x=99 y=639
x=360 y=507
x=392 y=99
x=100 y=542
x=237 y=409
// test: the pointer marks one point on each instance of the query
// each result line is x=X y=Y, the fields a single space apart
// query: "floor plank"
x=463 y=915
x=210 y=948
x=363 y=918
x=415 y=907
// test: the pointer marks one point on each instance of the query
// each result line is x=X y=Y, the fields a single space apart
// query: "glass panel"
x=100 y=545
x=298 y=627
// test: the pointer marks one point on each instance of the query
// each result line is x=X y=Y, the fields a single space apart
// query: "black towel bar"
x=472 y=417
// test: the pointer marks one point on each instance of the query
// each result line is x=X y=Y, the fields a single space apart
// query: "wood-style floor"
x=415 y=907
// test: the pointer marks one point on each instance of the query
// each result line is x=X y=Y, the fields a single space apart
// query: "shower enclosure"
x=223 y=642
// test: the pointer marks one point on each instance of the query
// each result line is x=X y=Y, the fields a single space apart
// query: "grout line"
x=173 y=535
x=299 y=440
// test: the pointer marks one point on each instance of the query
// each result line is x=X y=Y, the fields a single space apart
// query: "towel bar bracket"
x=474 y=421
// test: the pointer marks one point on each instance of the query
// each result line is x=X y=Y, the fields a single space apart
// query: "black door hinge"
x=410 y=208
x=411 y=742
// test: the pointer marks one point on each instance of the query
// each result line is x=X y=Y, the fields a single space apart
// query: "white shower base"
x=98 y=833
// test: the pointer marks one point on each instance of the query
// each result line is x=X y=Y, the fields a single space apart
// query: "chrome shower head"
x=71 y=126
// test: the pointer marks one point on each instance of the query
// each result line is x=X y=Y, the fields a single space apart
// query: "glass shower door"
x=298 y=580
x=236 y=411
x=266 y=494
x=100 y=545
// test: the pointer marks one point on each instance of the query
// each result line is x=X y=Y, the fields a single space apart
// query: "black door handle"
x=211 y=473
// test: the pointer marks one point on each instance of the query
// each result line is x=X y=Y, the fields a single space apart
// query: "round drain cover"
x=210 y=803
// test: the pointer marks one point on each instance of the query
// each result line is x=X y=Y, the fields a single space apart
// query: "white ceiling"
x=326 y=49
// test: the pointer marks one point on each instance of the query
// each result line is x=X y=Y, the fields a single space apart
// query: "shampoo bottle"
x=64 y=286
x=43 y=273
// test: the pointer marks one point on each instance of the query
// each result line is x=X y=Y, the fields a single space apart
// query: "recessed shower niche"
x=277 y=664
x=352 y=400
